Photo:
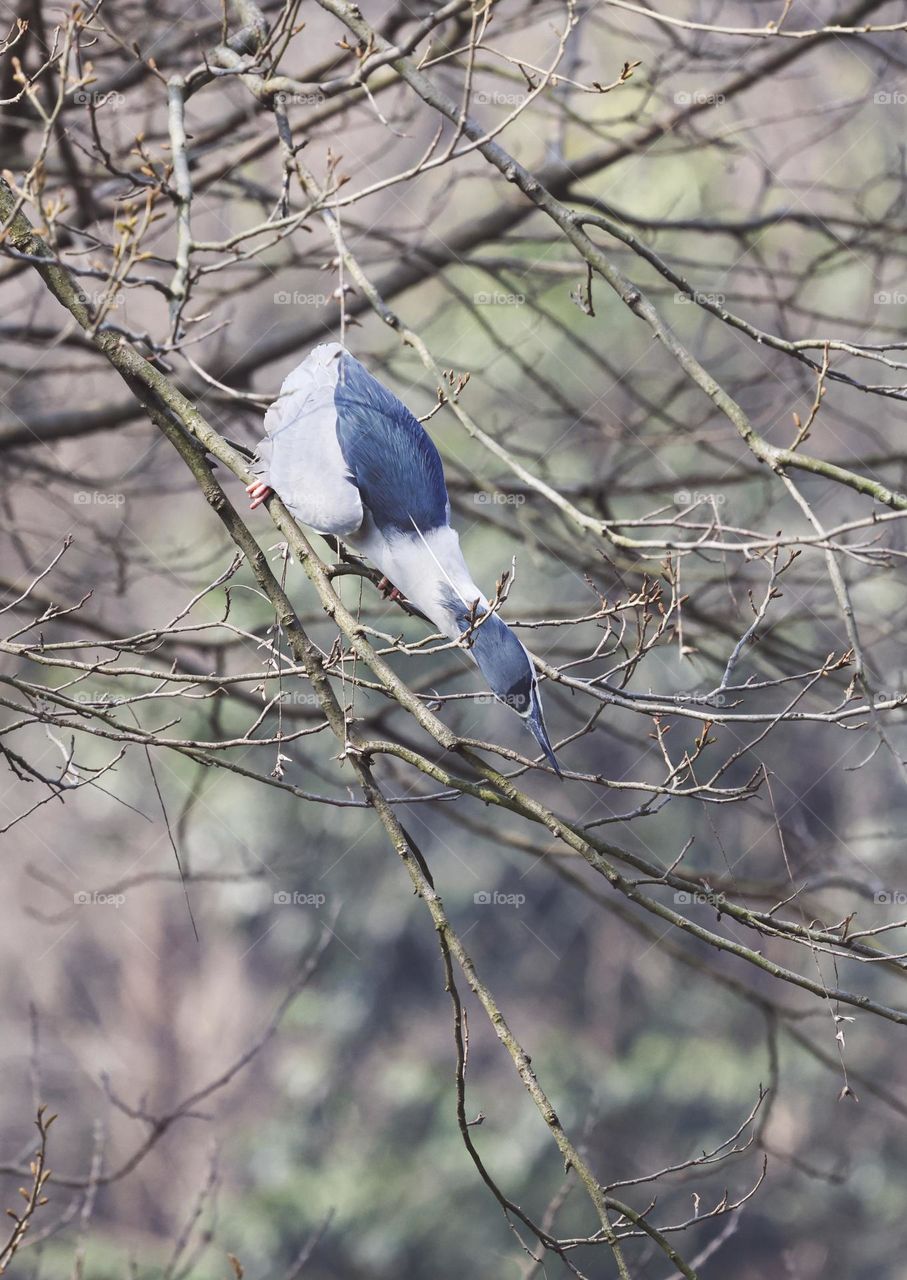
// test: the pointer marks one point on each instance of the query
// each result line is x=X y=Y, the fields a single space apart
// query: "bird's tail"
x=536 y=722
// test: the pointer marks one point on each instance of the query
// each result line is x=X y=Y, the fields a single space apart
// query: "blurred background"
x=281 y=1089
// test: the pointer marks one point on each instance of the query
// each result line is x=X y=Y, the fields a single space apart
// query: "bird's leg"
x=259 y=492
x=388 y=590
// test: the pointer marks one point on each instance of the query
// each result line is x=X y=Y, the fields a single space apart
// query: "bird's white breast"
x=306 y=466
x=427 y=568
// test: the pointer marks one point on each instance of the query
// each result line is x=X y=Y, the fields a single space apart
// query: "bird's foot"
x=258 y=492
x=389 y=591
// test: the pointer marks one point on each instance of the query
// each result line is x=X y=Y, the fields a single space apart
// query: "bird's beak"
x=536 y=725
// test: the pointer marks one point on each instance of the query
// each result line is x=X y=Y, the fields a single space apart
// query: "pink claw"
x=258 y=492
x=388 y=590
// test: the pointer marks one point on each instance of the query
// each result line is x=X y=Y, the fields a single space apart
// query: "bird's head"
x=507 y=667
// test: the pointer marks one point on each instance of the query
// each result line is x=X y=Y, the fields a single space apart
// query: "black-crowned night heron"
x=348 y=458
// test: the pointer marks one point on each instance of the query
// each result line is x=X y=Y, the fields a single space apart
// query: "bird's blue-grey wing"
x=301 y=458
x=390 y=455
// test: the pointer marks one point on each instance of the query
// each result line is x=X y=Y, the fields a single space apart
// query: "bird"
x=348 y=458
